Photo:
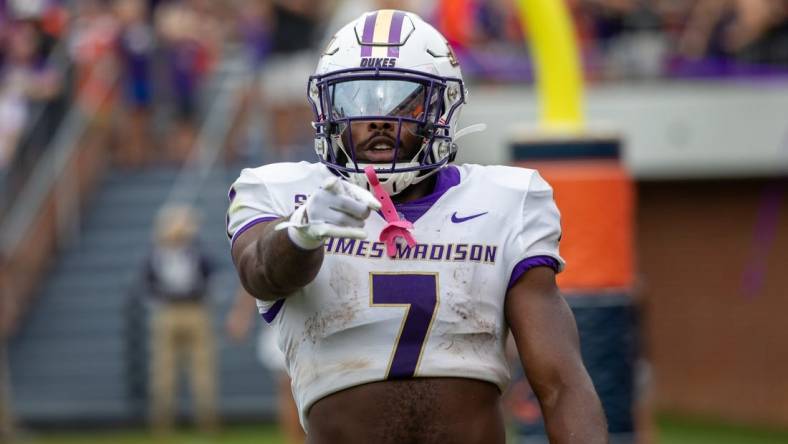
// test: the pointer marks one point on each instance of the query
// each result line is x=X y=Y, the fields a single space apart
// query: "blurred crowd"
x=140 y=66
x=628 y=39
x=118 y=61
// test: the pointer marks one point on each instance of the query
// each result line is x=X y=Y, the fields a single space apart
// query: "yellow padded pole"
x=559 y=78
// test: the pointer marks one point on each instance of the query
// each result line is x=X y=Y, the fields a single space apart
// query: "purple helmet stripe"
x=395 y=33
x=366 y=37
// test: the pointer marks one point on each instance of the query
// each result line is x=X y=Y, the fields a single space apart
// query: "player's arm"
x=276 y=258
x=548 y=343
x=270 y=265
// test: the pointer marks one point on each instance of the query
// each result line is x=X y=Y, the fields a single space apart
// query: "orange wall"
x=596 y=200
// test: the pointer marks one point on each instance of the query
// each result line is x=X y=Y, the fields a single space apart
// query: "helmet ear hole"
x=427 y=130
x=453 y=154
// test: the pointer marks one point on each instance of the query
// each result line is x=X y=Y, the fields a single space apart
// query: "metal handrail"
x=58 y=60
x=46 y=174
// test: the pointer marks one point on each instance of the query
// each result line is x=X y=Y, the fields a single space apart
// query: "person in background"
x=177 y=274
x=189 y=38
x=237 y=325
x=755 y=31
x=252 y=29
x=23 y=79
x=294 y=35
x=136 y=44
x=92 y=49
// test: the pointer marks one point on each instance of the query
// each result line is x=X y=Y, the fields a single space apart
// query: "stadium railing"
x=45 y=211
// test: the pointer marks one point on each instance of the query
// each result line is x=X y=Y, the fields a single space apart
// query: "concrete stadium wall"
x=671 y=130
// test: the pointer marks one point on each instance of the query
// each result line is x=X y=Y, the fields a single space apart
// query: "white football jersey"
x=433 y=310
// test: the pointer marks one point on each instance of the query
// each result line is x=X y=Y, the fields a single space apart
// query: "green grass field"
x=258 y=434
x=680 y=431
x=671 y=431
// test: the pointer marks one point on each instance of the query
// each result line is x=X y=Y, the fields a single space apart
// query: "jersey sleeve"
x=537 y=236
x=251 y=202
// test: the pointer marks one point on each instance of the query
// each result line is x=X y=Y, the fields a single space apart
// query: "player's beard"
x=365 y=151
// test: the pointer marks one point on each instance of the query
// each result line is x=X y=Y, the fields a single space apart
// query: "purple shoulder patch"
x=271 y=313
x=529 y=263
x=249 y=225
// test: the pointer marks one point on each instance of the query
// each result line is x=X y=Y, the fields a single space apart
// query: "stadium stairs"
x=81 y=356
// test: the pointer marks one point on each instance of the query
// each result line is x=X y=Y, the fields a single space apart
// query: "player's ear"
x=426 y=130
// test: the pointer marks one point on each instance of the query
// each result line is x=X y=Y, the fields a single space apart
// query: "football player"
x=400 y=343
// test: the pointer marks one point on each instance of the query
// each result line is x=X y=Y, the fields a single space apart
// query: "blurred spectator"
x=24 y=77
x=627 y=38
x=92 y=48
x=454 y=18
x=295 y=27
x=177 y=274
x=254 y=26
x=755 y=31
x=238 y=324
x=253 y=29
x=136 y=47
x=190 y=36
x=51 y=15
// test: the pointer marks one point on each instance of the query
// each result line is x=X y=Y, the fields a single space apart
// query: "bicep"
x=243 y=244
x=545 y=332
x=246 y=254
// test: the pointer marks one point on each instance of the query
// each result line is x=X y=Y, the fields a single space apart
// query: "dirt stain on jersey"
x=346 y=303
x=353 y=364
x=460 y=308
x=461 y=276
x=471 y=331
x=481 y=343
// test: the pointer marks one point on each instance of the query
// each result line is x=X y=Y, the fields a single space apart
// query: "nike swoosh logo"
x=458 y=220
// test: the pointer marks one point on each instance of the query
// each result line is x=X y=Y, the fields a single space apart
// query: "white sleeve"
x=251 y=202
x=539 y=231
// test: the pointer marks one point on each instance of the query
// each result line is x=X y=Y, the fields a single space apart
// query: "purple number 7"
x=419 y=294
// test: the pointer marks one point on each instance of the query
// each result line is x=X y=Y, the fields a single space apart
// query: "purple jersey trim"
x=445 y=179
x=249 y=225
x=529 y=263
x=395 y=33
x=271 y=313
x=366 y=37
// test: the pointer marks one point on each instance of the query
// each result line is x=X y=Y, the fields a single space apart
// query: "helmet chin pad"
x=393 y=183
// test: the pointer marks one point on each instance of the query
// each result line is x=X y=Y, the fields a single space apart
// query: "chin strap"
x=475 y=128
x=396 y=227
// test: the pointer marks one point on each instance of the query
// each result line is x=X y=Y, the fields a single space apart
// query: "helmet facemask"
x=415 y=103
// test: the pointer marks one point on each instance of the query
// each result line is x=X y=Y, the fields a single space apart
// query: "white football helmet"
x=391 y=66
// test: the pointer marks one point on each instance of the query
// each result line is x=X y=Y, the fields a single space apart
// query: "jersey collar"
x=446 y=178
